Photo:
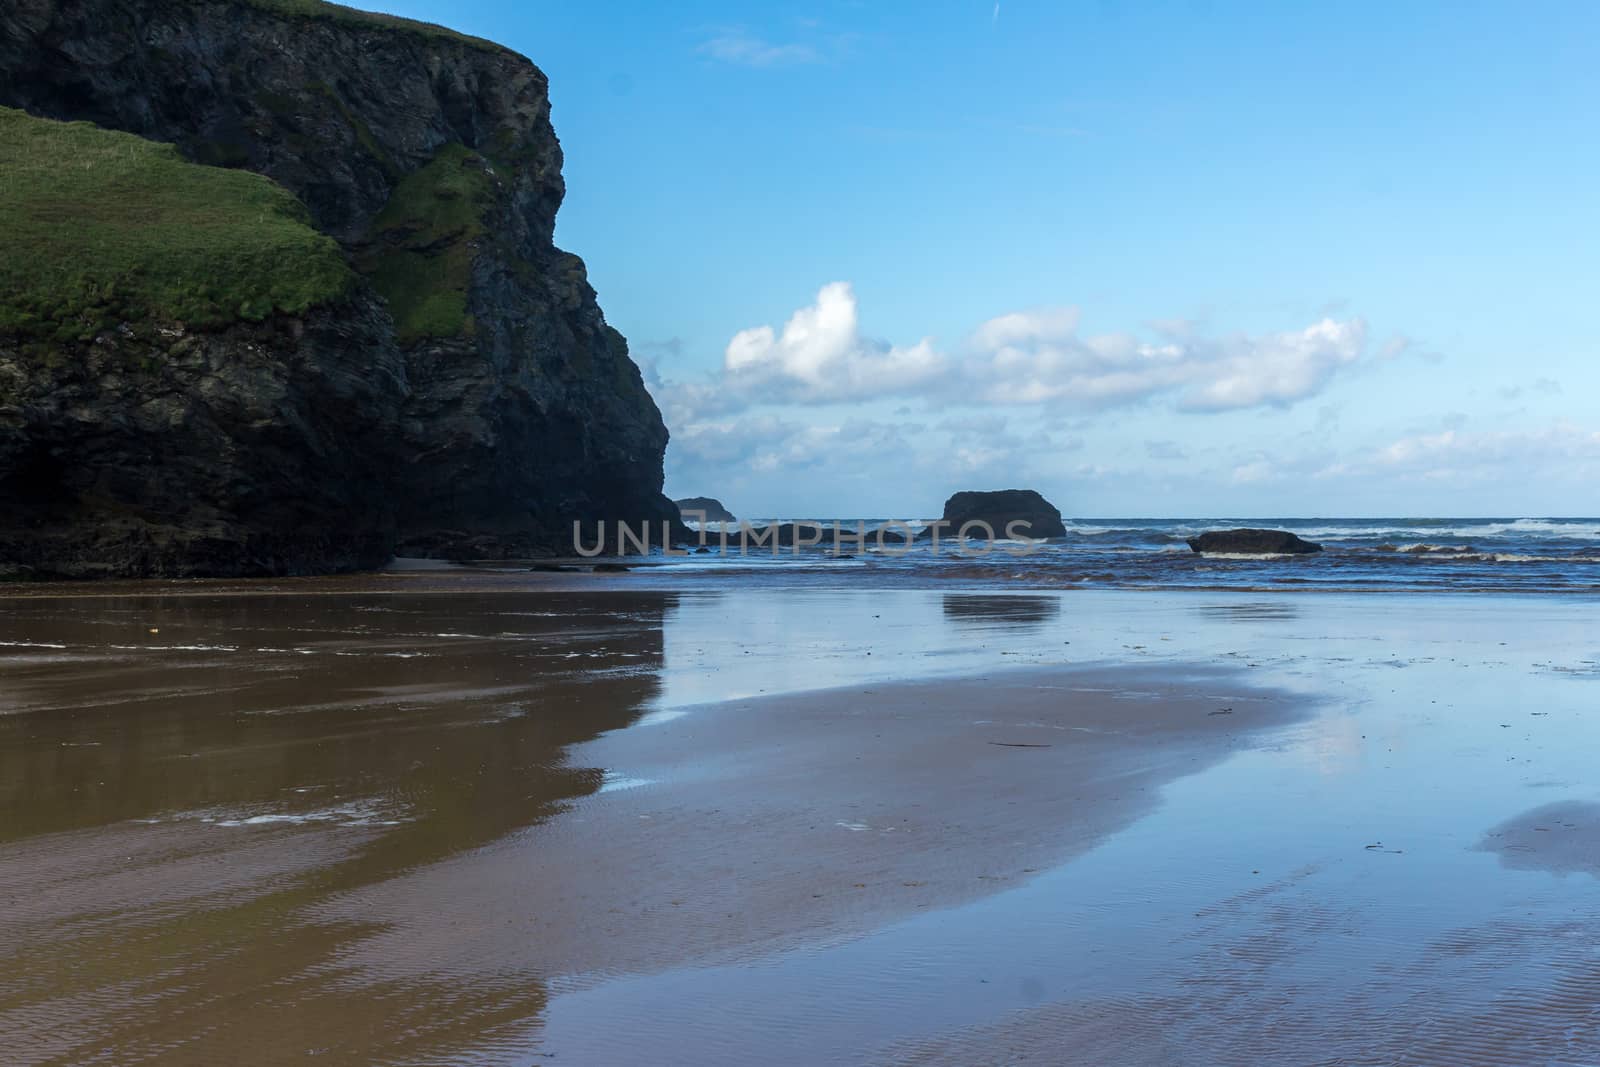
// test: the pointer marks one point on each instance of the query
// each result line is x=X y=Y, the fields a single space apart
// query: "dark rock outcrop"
x=1001 y=508
x=710 y=508
x=256 y=450
x=1252 y=542
x=501 y=409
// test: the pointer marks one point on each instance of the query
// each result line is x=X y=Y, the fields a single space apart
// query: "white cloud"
x=1255 y=471
x=767 y=442
x=745 y=49
x=1025 y=327
x=1277 y=369
x=794 y=405
x=1034 y=358
x=741 y=47
x=1556 y=454
x=1455 y=451
x=1039 y=358
x=1504 y=462
x=730 y=441
x=821 y=357
x=781 y=461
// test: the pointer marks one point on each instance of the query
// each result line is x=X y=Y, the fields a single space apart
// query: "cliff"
x=449 y=386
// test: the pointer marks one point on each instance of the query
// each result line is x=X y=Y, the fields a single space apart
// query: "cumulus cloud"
x=821 y=357
x=1039 y=358
x=1034 y=358
x=800 y=397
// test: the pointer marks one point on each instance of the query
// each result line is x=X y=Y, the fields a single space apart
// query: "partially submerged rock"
x=1035 y=516
x=1253 y=542
x=710 y=509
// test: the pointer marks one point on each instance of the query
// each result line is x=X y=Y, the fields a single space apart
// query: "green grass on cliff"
x=420 y=256
x=103 y=227
x=351 y=16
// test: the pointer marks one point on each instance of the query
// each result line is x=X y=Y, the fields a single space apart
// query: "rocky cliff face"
x=157 y=451
x=486 y=402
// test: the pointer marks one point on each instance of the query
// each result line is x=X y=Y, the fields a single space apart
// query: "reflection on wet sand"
x=771 y=821
x=325 y=826
x=1009 y=610
x=1563 y=838
x=185 y=784
x=492 y=823
x=1248 y=611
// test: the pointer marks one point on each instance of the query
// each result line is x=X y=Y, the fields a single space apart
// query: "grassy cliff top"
x=318 y=9
x=104 y=227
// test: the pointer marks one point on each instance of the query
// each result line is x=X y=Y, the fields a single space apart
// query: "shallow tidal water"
x=531 y=826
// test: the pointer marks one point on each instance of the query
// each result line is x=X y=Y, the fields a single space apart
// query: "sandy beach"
x=524 y=820
x=812 y=535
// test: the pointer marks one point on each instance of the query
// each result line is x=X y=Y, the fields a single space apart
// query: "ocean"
x=1400 y=554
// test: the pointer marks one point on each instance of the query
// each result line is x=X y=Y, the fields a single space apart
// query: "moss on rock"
x=423 y=243
x=105 y=227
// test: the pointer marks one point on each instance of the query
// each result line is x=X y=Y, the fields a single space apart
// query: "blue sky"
x=1194 y=258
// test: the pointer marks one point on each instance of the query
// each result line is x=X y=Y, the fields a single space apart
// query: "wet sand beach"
x=762 y=824
x=548 y=818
